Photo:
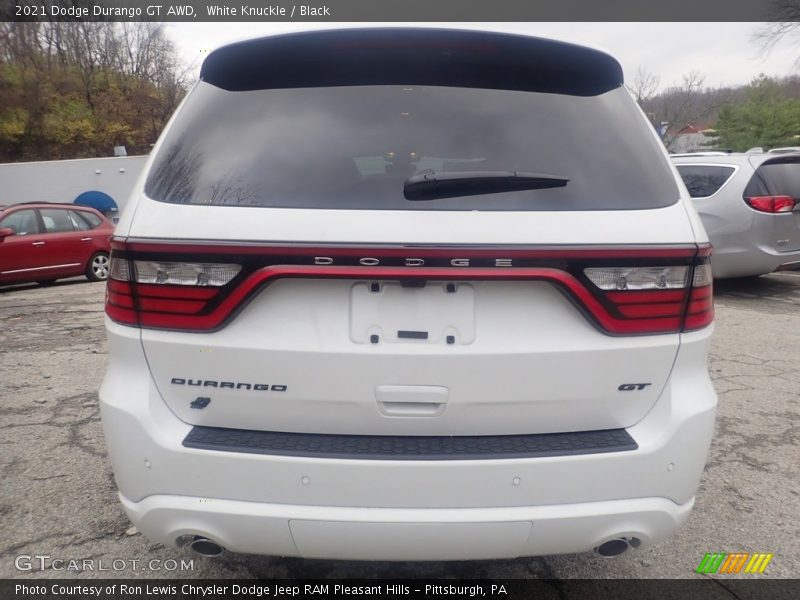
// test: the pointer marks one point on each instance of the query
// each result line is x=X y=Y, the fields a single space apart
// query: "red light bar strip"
x=671 y=309
x=184 y=307
x=123 y=300
x=701 y=292
x=699 y=306
x=120 y=287
x=179 y=292
x=643 y=297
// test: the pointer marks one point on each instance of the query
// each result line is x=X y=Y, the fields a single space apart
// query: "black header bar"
x=392 y=11
x=399 y=589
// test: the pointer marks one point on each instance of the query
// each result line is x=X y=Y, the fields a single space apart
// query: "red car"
x=44 y=241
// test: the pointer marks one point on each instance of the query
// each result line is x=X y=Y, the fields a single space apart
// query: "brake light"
x=648 y=299
x=656 y=299
x=152 y=286
x=700 y=311
x=157 y=293
x=771 y=204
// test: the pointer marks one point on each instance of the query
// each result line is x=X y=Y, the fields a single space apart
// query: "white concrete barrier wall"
x=65 y=180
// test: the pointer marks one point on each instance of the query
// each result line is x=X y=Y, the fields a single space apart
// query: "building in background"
x=102 y=183
x=693 y=138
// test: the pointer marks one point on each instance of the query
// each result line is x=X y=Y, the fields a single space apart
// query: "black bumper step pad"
x=399 y=447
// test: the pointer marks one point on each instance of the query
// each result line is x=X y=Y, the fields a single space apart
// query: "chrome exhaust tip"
x=615 y=547
x=200 y=545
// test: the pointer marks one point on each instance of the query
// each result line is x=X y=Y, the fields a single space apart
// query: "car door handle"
x=38 y=243
x=86 y=239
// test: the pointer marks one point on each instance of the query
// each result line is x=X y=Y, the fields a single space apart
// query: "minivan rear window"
x=704 y=180
x=353 y=147
x=778 y=177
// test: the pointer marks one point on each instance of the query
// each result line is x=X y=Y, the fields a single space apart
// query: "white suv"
x=406 y=294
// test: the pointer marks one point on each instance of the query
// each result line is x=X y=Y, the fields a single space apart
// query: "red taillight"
x=669 y=294
x=771 y=204
x=700 y=311
x=168 y=294
x=119 y=302
x=657 y=299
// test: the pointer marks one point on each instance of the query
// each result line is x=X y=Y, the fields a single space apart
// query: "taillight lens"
x=119 y=300
x=119 y=269
x=638 y=278
x=771 y=204
x=174 y=273
x=700 y=311
x=164 y=294
x=656 y=299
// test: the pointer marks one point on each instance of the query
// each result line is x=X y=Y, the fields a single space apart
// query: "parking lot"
x=58 y=496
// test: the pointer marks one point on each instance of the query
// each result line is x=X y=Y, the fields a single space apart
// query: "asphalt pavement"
x=58 y=497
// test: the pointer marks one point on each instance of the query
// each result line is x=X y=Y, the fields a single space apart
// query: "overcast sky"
x=724 y=52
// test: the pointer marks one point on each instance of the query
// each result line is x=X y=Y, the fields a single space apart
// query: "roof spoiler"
x=412 y=56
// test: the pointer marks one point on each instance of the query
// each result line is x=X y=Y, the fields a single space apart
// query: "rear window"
x=780 y=177
x=704 y=180
x=77 y=223
x=92 y=219
x=352 y=147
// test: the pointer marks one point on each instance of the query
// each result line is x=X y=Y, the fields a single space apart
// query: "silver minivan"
x=750 y=207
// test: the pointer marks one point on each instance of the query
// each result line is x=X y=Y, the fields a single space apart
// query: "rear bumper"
x=457 y=509
x=793 y=265
x=748 y=259
x=409 y=447
x=404 y=534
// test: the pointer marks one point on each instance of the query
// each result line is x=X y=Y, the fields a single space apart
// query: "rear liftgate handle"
x=411 y=400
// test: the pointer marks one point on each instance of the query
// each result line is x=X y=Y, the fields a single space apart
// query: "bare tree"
x=229 y=190
x=786 y=23
x=644 y=85
x=685 y=104
x=175 y=178
x=89 y=48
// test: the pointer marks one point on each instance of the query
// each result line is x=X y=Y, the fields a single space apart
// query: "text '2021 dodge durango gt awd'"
x=408 y=294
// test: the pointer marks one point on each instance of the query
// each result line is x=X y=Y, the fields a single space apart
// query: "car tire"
x=97 y=269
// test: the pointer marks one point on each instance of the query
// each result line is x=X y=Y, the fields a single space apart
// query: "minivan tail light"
x=771 y=204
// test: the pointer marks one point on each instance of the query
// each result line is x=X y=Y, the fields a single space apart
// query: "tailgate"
x=488 y=358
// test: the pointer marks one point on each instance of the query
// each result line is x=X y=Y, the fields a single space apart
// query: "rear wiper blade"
x=430 y=185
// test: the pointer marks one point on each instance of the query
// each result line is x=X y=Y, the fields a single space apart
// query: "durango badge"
x=258 y=387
